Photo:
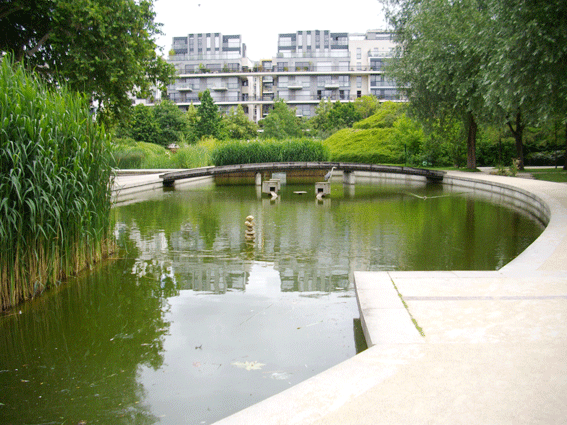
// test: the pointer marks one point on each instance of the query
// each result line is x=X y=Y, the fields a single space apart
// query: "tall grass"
x=55 y=185
x=243 y=152
x=128 y=154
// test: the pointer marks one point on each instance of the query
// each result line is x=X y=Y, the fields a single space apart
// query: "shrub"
x=373 y=146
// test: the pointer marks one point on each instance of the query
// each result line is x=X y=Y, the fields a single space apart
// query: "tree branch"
x=38 y=45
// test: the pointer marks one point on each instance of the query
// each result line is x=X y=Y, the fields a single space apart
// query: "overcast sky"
x=260 y=21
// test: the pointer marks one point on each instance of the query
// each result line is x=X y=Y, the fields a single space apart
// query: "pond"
x=190 y=323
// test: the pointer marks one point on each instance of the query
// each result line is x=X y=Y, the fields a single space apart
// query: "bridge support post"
x=258 y=178
x=348 y=177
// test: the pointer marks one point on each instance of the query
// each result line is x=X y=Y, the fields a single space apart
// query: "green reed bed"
x=259 y=151
x=55 y=186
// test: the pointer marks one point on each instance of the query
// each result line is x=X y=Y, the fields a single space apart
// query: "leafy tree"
x=104 y=48
x=366 y=106
x=209 y=121
x=239 y=126
x=172 y=123
x=162 y=124
x=343 y=115
x=281 y=122
x=332 y=117
x=525 y=76
x=438 y=63
x=142 y=126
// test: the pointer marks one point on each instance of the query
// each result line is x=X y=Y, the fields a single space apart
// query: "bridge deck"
x=170 y=178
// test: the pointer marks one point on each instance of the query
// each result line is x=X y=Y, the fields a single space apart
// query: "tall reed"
x=55 y=185
x=256 y=151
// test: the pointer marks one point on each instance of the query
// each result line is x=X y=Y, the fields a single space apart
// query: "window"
x=359 y=82
x=323 y=79
x=358 y=53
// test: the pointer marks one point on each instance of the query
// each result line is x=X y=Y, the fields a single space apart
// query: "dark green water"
x=190 y=323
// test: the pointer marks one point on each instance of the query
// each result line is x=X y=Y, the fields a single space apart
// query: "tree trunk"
x=565 y=163
x=471 y=143
x=518 y=134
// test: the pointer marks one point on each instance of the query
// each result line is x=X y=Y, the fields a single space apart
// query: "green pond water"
x=190 y=323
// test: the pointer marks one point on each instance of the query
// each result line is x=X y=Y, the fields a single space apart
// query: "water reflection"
x=75 y=355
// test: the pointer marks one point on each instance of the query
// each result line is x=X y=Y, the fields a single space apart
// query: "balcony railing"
x=292 y=98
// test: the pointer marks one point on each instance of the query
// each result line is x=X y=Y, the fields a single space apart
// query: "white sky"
x=260 y=21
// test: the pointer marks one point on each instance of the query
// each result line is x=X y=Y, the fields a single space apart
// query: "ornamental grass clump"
x=253 y=152
x=55 y=186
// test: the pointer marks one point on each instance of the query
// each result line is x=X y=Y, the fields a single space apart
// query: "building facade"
x=309 y=66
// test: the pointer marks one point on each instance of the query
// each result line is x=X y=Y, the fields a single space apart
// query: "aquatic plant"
x=55 y=185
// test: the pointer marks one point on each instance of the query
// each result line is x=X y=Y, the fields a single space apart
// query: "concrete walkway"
x=494 y=349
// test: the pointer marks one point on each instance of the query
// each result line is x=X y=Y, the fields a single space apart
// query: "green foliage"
x=105 y=49
x=281 y=123
x=143 y=126
x=439 y=62
x=256 y=151
x=384 y=117
x=238 y=126
x=372 y=146
x=173 y=124
x=162 y=124
x=55 y=185
x=366 y=106
x=129 y=154
x=209 y=121
x=332 y=117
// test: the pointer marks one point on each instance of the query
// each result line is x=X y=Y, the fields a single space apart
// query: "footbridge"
x=169 y=179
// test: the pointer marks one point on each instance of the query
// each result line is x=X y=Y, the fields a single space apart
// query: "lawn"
x=548 y=174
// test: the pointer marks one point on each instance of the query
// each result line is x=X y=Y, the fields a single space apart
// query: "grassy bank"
x=548 y=174
x=54 y=185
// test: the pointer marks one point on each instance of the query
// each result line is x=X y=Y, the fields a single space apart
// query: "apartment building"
x=309 y=66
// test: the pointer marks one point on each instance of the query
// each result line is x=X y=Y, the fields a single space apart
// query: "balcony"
x=294 y=86
x=219 y=88
x=332 y=85
x=185 y=88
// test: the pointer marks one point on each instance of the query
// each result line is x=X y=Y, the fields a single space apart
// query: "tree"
x=142 y=126
x=239 y=126
x=209 y=122
x=438 y=63
x=104 y=48
x=281 y=122
x=525 y=76
x=366 y=106
x=343 y=115
x=172 y=123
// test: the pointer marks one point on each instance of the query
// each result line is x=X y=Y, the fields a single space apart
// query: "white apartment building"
x=309 y=66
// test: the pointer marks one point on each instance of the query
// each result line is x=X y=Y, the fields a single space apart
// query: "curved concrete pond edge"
x=452 y=347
